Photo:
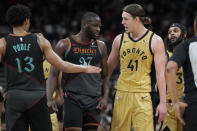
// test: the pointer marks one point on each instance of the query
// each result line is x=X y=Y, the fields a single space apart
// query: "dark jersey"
x=185 y=55
x=23 y=59
x=82 y=83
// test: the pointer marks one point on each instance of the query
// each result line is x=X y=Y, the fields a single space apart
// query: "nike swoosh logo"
x=144 y=97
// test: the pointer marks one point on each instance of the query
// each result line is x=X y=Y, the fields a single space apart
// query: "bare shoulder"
x=2 y=45
x=1 y=41
x=39 y=34
x=41 y=38
x=62 y=46
x=157 y=43
x=102 y=46
x=101 y=43
x=116 y=42
x=118 y=37
x=42 y=41
x=156 y=38
x=62 y=43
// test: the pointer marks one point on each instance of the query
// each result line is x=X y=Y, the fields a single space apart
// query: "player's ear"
x=84 y=25
x=26 y=21
x=137 y=18
x=185 y=36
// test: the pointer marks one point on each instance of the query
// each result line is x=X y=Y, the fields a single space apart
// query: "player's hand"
x=161 y=112
x=179 y=108
x=91 y=69
x=52 y=106
x=102 y=104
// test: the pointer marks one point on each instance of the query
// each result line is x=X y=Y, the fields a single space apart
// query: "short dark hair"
x=17 y=14
x=87 y=17
x=180 y=26
x=137 y=10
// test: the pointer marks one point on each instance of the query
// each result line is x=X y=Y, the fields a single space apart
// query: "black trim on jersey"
x=150 y=40
x=139 y=38
x=153 y=77
x=121 y=40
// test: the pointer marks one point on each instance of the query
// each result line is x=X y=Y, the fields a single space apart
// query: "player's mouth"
x=173 y=39
x=97 y=35
x=126 y=28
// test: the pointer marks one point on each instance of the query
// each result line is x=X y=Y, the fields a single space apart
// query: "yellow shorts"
x=132 y=109
x=54 y=122
x=171 y=120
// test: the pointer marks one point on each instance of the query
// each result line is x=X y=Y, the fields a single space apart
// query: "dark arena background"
x=57 y=19
x=60 y=18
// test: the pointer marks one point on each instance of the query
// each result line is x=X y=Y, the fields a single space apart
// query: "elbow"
x=171 y=67
x=170 y=71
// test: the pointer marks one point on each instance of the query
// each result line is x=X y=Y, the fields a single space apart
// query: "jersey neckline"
x=139 y=38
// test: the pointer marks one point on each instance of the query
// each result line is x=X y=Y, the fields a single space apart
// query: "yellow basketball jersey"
x=179 y=81
x=46 y=68
x=136 y=60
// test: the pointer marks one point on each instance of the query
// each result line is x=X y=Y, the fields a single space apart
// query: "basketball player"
x=138 y=50
x=83 y=98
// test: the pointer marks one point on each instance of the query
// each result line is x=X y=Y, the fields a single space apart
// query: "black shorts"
x=60 y=113
x=37 y=115
x=76 y=117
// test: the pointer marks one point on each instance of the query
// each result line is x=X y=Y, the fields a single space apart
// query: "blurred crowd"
x=60 y=18
x=57 y=19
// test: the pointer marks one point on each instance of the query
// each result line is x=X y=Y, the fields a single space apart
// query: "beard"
x=90 y=34
x=171 y=45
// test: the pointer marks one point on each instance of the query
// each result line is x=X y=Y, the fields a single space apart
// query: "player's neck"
x=83 y=37
x=138 y=33
x=19 y=31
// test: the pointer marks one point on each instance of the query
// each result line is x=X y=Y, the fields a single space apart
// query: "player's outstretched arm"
x=64 y=66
